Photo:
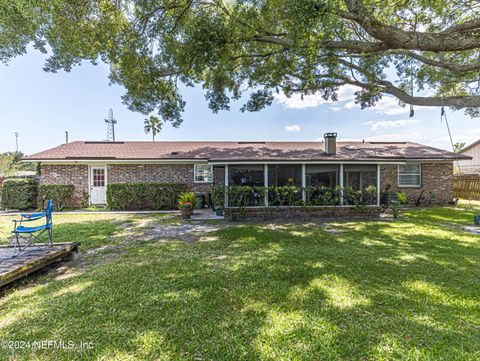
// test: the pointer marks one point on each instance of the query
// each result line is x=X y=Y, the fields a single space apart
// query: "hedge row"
x=144 y=196
x=20 y=193
x=60 y=194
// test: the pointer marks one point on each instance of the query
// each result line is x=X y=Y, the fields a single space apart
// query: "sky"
x=41 y=106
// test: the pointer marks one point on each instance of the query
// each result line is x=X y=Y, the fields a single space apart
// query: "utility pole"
x=111 y=126
x=16 y=142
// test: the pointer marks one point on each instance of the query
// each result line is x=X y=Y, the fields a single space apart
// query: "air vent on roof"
x=174 y=153
x=351 y=147
x=251 y=142
x=100 y=142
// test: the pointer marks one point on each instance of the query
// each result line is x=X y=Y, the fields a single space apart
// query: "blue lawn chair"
x=32 y=234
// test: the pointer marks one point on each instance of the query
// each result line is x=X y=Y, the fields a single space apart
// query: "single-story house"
x=470 y=165
x=404 y=166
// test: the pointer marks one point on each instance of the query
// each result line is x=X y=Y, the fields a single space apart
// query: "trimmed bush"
x=144 y=196
x=60 y=194
x=19 y=193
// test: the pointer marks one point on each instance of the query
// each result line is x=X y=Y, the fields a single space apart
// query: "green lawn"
x=360 y=290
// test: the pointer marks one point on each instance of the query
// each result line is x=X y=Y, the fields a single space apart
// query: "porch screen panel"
x=281 y=175
x=248 y=175
x=325 y=175
x=359 y=177
x=284 y=175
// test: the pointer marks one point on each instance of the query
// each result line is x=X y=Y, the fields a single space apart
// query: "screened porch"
x=313 y=184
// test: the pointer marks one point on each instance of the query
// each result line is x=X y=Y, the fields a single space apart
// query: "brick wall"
x=436 y=178
x=156 y=173
x=76 y=175
x=298 y=213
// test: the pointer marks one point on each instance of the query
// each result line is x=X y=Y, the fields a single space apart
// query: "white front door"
x=98 y=185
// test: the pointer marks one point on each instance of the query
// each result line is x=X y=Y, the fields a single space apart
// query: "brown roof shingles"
x=240 y=151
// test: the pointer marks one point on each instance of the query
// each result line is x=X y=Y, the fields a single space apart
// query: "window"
x=203 y=173
x=98 y=177
x=409 y=175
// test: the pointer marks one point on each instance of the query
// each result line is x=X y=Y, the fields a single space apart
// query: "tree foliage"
x=10 y=163
x=408 y=49
x=458 y=147
x=153 y=125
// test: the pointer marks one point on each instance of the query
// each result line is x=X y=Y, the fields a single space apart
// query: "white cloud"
x=388 y=124
x=387 y=105
x=444 y=141
x=473 y=131
x=335 y=109
x=314 y=100
x=397 y=137
x=293 y=128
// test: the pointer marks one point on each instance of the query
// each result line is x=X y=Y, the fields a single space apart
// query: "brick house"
x=402 y=166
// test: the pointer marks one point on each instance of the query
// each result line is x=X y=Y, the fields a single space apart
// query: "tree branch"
x=456 y=38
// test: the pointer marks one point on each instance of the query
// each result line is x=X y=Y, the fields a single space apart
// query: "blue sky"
x=42 y=106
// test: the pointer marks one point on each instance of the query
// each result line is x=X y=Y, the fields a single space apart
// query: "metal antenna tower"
x=16 y=141
x=111 y=126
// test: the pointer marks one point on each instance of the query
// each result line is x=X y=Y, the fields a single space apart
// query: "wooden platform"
x=31 y=260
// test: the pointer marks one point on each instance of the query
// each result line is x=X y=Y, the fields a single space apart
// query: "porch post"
x=304 y=183
x=265 y=183
x=341 y=183
x=226 y=185
x=378 y=184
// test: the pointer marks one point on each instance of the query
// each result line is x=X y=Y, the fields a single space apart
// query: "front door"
x=98 y=189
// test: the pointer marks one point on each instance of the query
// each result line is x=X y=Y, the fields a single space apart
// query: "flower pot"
x=186 y=212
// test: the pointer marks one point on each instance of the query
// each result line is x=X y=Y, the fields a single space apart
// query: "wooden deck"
x=31 y=260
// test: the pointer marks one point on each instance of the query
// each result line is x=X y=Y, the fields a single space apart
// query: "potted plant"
x=186 y=203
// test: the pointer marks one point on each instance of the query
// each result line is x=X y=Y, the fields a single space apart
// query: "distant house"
x=17 y=174
x=404 y=166
x=470 y=165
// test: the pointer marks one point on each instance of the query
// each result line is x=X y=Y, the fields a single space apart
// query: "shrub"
x=144 y=196
x=19 y=193
x=60 y=194
x=218 y=197
x=290 y=196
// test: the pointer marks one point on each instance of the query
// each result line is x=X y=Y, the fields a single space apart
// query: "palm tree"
x=153 y=125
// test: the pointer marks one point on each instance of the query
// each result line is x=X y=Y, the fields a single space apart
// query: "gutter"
x=64 y=161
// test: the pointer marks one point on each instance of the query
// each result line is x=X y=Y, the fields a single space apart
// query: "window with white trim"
x=203 y=173
x=409 y=175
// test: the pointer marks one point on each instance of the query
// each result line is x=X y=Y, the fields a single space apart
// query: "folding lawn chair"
x=30 y=235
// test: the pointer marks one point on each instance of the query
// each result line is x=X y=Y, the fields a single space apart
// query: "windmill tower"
x=110 y=126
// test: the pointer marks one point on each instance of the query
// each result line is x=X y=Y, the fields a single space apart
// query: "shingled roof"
x=241 y=151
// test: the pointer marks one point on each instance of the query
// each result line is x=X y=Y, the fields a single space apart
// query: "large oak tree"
x=424 y=52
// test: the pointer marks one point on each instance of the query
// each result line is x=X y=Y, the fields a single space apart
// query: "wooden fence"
x=466 y=186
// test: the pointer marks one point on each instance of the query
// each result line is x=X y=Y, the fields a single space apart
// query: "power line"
x=443 y=115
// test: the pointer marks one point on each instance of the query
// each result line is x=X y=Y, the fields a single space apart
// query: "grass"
x=360 y=290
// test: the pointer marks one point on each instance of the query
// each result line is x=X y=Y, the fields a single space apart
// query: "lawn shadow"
x=374 y=290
